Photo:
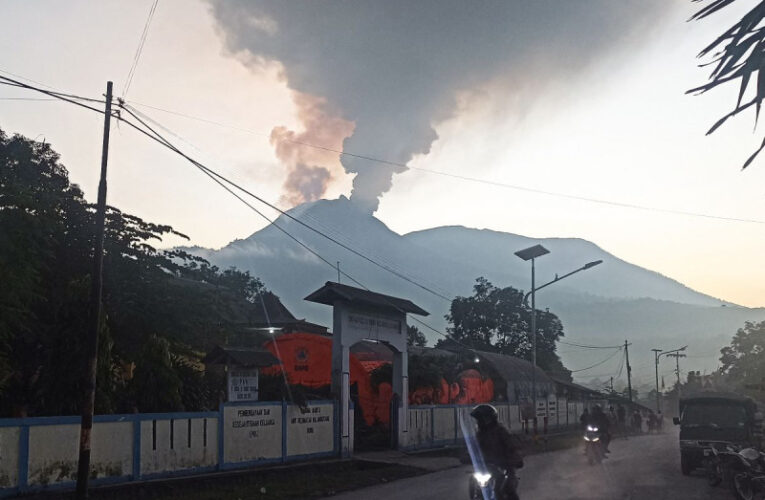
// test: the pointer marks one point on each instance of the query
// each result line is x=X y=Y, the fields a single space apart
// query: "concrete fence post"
x=284 y=431
x=23 y=458
x=136 y=448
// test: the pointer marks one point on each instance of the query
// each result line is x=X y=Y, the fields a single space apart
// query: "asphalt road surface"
x=647 y=467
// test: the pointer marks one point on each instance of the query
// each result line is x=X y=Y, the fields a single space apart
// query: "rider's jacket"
x=499 y=447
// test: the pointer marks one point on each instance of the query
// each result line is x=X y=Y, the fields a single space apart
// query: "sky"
x=609 y=121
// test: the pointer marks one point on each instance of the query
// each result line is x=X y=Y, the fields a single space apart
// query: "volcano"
x=604 y=306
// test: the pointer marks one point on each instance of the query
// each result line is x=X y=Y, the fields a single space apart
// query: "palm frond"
x=739 y=53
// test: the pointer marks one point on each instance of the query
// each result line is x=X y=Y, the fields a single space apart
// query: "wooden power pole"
x=94 y=319
x=629 y=370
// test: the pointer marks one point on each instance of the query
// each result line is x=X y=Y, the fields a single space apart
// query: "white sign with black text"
x=242 y=384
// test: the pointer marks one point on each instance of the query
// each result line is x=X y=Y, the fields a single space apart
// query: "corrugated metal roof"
x=332 y=292
x=250 y=358
x=513 y=369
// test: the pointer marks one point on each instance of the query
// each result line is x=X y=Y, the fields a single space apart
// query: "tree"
x=415 y=337
x=743 y=361
x=496 y=319
x=737 y=54
x=160 y=307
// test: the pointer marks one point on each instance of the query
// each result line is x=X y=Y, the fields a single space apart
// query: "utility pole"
x=677 y=357
x=338 y=271
x=612 y=385
x=534 y=345
x=656 y=358
x=629 y=369
x=94 y=319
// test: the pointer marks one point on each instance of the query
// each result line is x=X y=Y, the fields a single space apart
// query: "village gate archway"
x=359 y=315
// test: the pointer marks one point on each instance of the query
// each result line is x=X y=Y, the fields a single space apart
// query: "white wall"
x=419 y=427
x=9 y=456
x=310 y=430
x=252 y=432
x=159 y=454
x=54 y=450
x=443 y=424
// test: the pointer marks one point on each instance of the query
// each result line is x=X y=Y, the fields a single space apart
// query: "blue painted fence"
x=40 y=453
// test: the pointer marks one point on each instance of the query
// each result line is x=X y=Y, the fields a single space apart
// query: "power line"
x=478 y=180
x=596 y=364
x=28 y=99
x=621 y=365
x=220 y=181
x=583 y=346
x=138 y=51
x=161 y=140
x=130 y=109
x=27 y=79
x=64 y=97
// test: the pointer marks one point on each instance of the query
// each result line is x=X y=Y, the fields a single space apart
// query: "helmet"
x=485 y=415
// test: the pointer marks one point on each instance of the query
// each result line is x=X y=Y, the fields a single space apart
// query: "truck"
x=711 y=418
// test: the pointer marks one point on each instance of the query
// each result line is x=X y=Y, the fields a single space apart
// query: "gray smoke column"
x=310 y=170
x=393 y=67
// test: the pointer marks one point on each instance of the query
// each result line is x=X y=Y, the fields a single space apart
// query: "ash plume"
x=310 y=170
x=393 y=67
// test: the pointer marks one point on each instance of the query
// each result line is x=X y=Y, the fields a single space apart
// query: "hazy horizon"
x=609 y=121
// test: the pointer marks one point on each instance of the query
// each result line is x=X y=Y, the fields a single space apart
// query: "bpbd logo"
x=301 y=359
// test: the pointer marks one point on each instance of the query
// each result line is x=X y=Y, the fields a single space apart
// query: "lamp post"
x=658 y=353
x=531 y=254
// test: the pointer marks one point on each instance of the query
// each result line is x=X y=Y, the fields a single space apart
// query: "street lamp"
x=531 y=254
x=658 y=353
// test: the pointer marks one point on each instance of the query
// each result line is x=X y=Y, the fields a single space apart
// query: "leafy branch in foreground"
x=737 y=54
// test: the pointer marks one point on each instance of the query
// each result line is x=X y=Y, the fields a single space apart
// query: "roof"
x=433 y=352
x=513 y=369
x=265 y=308
x=333 y=292
x=240 y=356
x=372 y=351
x=298 y=325
x=576 y=386
x=712 y=395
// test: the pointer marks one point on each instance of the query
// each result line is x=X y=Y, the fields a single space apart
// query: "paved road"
x=639 y=468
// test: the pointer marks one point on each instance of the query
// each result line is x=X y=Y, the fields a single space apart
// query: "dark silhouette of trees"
x=495 y=319
x=162 y=308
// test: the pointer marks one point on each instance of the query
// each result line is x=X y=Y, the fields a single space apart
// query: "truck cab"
x=713 y=417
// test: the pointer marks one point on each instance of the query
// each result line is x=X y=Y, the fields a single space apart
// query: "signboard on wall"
x=371 y=326
x=252 y=432
x=242 y=384
x=541 y=409
x=311 y=429
x=552 y=408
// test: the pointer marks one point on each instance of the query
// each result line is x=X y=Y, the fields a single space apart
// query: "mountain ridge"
x=602 y=305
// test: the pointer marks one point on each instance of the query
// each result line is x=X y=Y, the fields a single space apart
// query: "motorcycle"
x=718 y=460
x=491 y=483
x=593 y=445
x=748 y=471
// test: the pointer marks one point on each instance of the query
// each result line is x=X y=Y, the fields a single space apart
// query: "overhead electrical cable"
x=479 y=180
x=20 y=77
x=596 y=364
x=583 y=346
x=129 y=110
x=226 y=183
x=220 y=181
x=38 y=99
x=139 y=50
x=621 y=365
x=64 y=97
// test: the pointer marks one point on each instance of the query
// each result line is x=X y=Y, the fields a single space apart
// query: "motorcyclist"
x=585 y=418
x=498 y=448
x=600 y=420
